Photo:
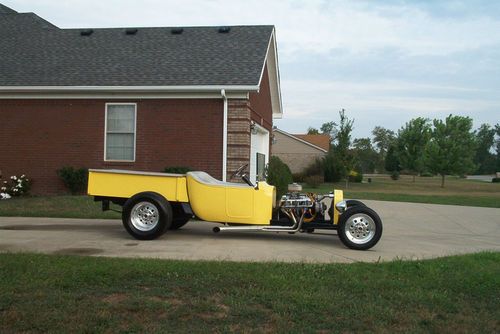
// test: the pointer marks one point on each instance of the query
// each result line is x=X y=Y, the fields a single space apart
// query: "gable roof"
x=6 y=10
x=36 y=56
x=303 y=141
x=322 y=141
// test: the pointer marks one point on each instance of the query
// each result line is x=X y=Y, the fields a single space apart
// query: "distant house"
x=134 y=98
x=299 y=151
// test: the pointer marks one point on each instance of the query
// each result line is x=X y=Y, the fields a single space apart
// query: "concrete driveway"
x=411 y=231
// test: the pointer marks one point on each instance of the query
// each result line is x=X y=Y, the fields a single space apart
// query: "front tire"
x=360 y=228
x=147 y=216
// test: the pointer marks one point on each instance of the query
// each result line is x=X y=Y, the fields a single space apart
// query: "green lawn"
x=424 y=190
x=56 y=206
x=457 y=191
x=48 y=293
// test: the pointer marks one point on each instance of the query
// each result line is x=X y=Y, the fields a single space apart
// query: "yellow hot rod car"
x=153 y=203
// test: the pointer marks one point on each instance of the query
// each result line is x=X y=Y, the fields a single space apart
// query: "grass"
x=47 y=293
x=55 y=206
x=424 y=190
x=457 y=191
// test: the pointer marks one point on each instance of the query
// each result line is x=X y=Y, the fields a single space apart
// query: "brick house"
x=134 y=98
x=299 y=151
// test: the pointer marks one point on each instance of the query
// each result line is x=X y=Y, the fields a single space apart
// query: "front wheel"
x=147 y=216
x=360 y=228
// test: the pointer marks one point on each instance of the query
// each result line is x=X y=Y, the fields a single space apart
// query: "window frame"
x=106 y=129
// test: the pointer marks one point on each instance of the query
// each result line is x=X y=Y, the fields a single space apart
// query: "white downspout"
x=224 y=136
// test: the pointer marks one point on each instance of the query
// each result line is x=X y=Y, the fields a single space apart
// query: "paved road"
x=410 y=231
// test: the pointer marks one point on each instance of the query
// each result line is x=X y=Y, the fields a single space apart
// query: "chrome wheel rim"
x=145 y=216
x=360 y=228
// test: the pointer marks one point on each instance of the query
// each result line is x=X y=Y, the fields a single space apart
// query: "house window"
x=120 y=132
x=261 y=166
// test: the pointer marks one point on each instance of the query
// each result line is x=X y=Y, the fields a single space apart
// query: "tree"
x=332 y=167
x=484 y=159
x=312 y=131
x=392 y=163
x=365 y=155
x=329 y=128
x=411 y=142
x=342 y=145
x=497 y=146
x=382 y=140
x=451 y=148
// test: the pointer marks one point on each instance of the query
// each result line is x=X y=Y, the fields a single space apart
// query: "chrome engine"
x=295 y=201
x=303 y=207
x=299 y=208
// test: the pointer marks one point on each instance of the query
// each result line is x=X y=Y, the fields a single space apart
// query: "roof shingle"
x=6 y=10
x=322 y=141
x=33 y=52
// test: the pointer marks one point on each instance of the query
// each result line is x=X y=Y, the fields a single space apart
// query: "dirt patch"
x=78 y=251
x=170 y=300
x=132 y=244
x=221 y=312
x=115 y=298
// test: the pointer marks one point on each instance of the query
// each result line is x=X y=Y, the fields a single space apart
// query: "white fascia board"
x=271 y=60
x=121 y=95
x=131 y=89
x=300 y=140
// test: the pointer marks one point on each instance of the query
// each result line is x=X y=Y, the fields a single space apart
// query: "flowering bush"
x=16 y=186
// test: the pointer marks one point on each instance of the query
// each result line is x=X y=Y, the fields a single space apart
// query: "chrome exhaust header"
x=297 y=224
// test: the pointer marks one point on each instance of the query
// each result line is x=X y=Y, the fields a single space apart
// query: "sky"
x=384 y=62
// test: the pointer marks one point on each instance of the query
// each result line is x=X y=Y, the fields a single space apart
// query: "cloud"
x=306 y=27
x=384 y=61
x=387 y=103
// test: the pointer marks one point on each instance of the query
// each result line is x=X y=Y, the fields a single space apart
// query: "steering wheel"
x=239 y=171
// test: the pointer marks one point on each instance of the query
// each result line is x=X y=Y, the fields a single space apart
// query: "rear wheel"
x=146 y=216
x=360 y=228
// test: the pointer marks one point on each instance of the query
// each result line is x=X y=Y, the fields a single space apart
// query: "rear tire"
x=360 y=227
x=146 y=216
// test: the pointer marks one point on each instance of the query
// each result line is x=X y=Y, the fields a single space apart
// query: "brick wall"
x=260 y=104
x=241 y=112
x=37 y=137
x=238 y=135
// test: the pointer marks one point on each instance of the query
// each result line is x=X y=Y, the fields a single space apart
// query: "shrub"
x=332 y=168
x=279 y=175
x=426 y=174
x=314 y=169
x=177 y=170
x=74 y=179
x=495 y=180
x=355 y=177
x=298 y=177
x=395 y=175
x=314 y=181
x=16 y=186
